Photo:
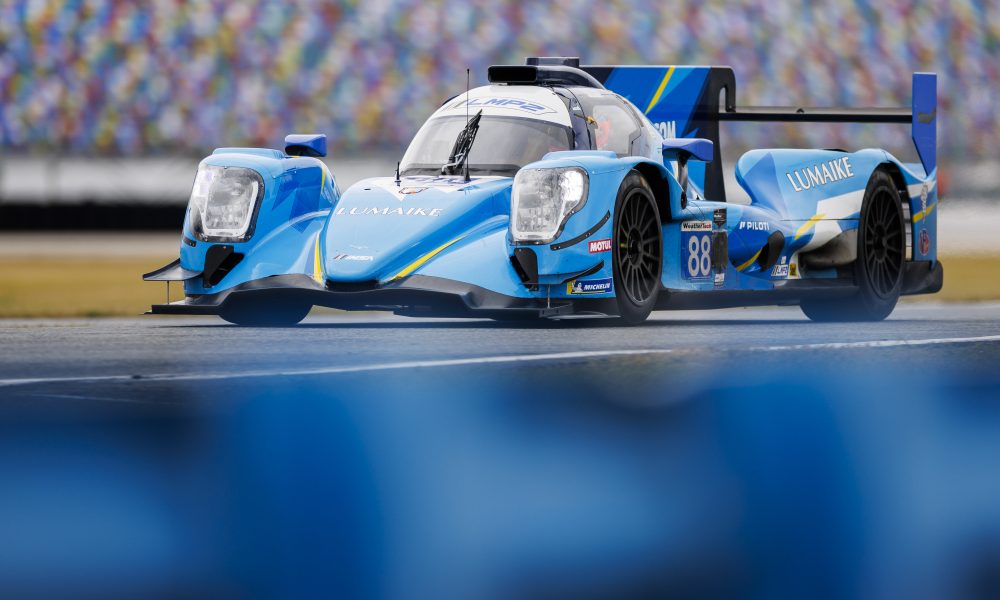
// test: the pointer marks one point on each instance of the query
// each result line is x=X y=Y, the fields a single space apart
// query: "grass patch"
x=107 y=287
x=968 y=278
x=79 y=287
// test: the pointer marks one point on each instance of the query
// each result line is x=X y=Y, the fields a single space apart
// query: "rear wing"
x=684 y=101
x=921 y=115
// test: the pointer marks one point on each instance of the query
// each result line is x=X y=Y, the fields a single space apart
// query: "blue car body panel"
x=379 y=228
x=405 y=232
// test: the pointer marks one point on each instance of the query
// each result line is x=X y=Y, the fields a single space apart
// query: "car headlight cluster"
x=222 y=203
x=542 y=200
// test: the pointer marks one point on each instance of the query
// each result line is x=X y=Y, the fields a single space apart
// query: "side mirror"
x=305 y=144
x=682 y=149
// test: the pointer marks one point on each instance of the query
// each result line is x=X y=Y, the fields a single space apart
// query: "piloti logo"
x=596 y=246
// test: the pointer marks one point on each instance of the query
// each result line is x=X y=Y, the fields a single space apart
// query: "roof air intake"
x=542 y=75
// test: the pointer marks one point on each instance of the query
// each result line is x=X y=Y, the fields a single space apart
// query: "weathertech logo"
x=696 y=226
x=596 y=246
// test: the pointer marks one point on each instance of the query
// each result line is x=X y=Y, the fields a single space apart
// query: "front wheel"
x=637 y=250
x=878 y=270
x=259 y=313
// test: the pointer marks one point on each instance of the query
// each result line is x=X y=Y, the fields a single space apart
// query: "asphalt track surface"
x=148 y=360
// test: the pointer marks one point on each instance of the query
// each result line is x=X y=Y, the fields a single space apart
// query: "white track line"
x=417 y=364
x=881 y=343
x=481 y=360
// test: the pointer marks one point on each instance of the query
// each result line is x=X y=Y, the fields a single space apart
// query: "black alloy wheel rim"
x=883 y=231
x=638 y=248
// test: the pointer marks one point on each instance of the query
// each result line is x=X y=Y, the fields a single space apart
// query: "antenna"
x=467 y=178
x=397 y=174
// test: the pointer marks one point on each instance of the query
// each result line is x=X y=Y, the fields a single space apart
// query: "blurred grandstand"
x=113 y=101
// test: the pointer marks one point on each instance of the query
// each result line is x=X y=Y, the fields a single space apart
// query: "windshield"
x=502 y=146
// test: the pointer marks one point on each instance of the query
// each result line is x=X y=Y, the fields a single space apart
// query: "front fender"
x=583 y=247
x=299 y=193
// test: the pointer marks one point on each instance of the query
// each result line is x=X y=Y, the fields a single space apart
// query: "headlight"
x=223 y=201
x=542 y=200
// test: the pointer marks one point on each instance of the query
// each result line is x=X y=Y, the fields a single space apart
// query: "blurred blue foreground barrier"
x=514 y=483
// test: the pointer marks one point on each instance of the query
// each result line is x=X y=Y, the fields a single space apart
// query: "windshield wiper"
x=463 y=145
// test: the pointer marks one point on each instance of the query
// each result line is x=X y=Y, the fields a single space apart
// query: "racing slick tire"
x=878 y=270
x=247 y=312
x=637 y=250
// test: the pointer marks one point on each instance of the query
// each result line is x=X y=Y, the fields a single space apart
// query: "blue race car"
x=562 y=189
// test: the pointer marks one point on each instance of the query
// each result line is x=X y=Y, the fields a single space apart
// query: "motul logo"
x=599 y=246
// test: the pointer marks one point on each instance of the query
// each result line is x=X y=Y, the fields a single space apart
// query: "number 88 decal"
x=698 y=255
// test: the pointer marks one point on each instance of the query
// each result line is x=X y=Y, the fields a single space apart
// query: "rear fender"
x=919 y=191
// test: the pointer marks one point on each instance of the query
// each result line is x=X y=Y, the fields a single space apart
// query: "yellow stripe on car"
x=749 y=262
x=809 y=225
x=317 y=264
x=659 y=90
x=423 y=259
x=924 y=213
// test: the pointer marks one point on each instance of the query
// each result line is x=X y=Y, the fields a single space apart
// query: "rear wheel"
x=637 y=250
x=259 y=313
x=878 y=270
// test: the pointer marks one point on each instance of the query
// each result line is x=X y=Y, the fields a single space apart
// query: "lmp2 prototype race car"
x=560 y=190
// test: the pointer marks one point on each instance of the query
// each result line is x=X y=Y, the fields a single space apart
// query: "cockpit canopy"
x=502 y=146
x=522 y=123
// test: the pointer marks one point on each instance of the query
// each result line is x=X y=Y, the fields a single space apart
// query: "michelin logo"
x=510 y=103
x=821 y=174
x=592 y=286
